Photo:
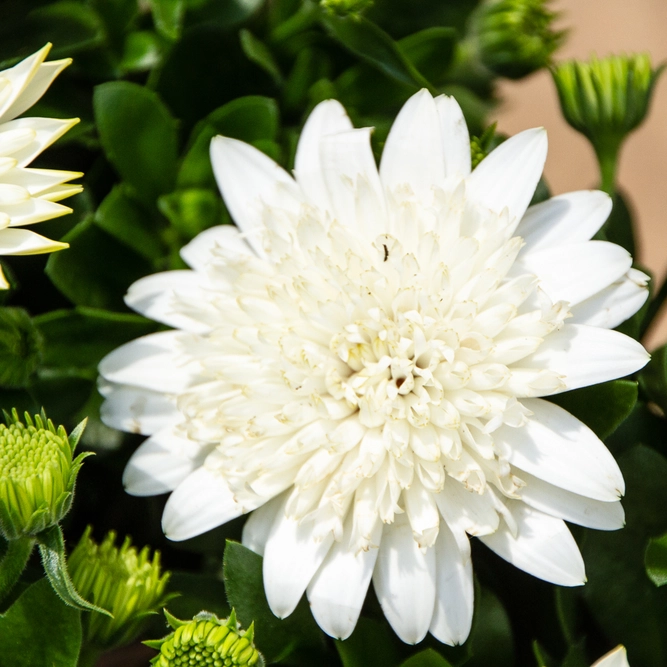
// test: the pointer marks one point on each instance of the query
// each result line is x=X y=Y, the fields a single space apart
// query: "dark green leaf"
x=38 y=629
x=258 y=52
x=198 y=592
x=653 y=379
x=427 y=658
x=168 y=17
x=192 y=211
x=20 y=347
x=618 y=228
x=83 y=278
x=372 y=644
x=490 y=641
x=542 y=658
x=274 y=638
x=656 y=560
x=576 y=655
x=63 y=395
x=601 y=407
x=375 y=46
x=431 y=52
x=138 y=135
x=224 y=13
x=142 y=51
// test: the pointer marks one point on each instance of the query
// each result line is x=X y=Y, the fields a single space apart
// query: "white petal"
x=586 y=355
x=199 y=252
x=162 y=462
x=137 y=410
x=614 y=304
x=570 y=218
x=328 y=117
x=454 y=602
x=25 y=242
x=543 y=547
x=467 y=510
x=37 y=86
x=291 y=557
x=47 y=130
x=571 y=507
x=576 y=271
x=413 y=153
x=201 y=502
x=338 y=589
x=558 y=448
x=257 y=528
x=455 y=138
x=404 y=581
x=616 y=658
x=249 y=182
x=19 y=77
x=508 y=176
x=156 y=362
x=35 y=210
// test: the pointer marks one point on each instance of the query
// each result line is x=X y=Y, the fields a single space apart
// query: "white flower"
x=616 y=658
x=27 y=195
x=359 y=362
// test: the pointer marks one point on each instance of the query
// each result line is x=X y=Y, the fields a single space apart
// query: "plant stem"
x=608 y=160
x=14 y=562
x=89 y=655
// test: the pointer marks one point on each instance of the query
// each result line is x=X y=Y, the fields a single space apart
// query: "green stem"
x=89 y=655
x=14 y=562
x=608 y=160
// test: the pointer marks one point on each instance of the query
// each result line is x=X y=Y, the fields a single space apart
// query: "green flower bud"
x=37 y=474
x=206 y=640
x=127 y=582
x=345 y=7
x=516 y=37
x=481 y=146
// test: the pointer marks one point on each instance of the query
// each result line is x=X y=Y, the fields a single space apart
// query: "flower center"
x=27 y=451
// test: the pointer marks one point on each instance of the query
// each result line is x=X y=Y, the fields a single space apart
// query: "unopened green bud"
x=516 y=37
x=346 y=7
x=481 y=146
x=127 y=582
x=37 y=474
x=207 y=640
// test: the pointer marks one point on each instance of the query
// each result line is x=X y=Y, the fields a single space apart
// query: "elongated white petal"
x=467 y=510
x=25 y=242
x=292 y=555
x=162 y=462
x=18 y=77
x=614 y=304
x=543 y=546
x=455 y=138
x=250 y=182
x=33 y=211
x=46 y=131
x=39 y=181
x=586 y=355
x=576 y=271
x=452 y=618
x=508 y=176
x=413 y=154
x=561 y=450
x=405 y=582
x=570 y=506
x=570 y=218
x=257 y=528
x=616 y=658
x=199 y=252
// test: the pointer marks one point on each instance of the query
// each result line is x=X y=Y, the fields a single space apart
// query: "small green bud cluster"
x=127 y=582
x=516 y=37
x=345 y=7
x=37 y=474
x=481 y=146
x=207 y=640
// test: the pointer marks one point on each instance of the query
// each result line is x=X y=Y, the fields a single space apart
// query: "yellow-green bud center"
x=28 y=451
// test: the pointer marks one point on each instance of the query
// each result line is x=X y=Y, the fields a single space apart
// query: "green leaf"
x=84 y=279
x=138 y=135
x=224 y=13
x=619 y=227
x=38 y=629
x=168 y=17
x=431 y=51
x=20 y=347
x=257 y=52
x=427 y=658
x=197 y=592
x=192 y=211
x=653 y=379
x=79 y=338
x=655 y=560
x=274 y=638
x=142 y=51
x=375 y=46
x=602 y=407
x=372 y=644
x=490 y=641
x=52 y=549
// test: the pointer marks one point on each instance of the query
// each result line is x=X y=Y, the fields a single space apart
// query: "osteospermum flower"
x=616 y=658
x=28 y=195
x=360 y=362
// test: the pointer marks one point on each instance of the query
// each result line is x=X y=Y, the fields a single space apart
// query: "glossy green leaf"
x=168 y=17
x=224 y=13
x=602 y=407
x=275 y=638
x=653 y=379
x=142 y=51
x=138 y=135
x=427 y=658
x=20 y=347
x=431 y=51
x=192 y=211
x=656 y=560
x=39 y=630
x=372 y=644
x=258 y=52
x=490 y=641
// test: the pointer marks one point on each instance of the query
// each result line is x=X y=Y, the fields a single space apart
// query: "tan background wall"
x=603 y=27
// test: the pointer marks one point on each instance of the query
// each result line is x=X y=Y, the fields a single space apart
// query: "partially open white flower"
x=28 y=195
x=360 y=363
x=616 y=658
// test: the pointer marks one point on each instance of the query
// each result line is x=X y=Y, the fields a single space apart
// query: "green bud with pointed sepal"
x=206 y=640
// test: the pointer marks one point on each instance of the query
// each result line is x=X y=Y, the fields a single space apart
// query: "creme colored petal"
x=452 y=618
x=25 y=242
x=39 y=181
x=199 y=252
x=616 y=658
x=18 y=77
x=543 y=546
x=573 y=217
x=586 y=355
x=292 y=555
x=413 y=153
x=327 y=118
x=576 y=271
x=508 y=176
x=162 y=462
x=570 y=506
x=614 y=304
x=33 y=211
x=157 y=361
x=455 y=138
x=46 y=131
x=201 y=502
x=467 y=510
x=559 y=449
x=251 y=182
x=405 y=582
x=257 y=528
